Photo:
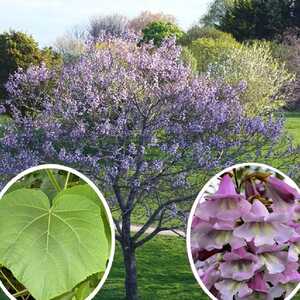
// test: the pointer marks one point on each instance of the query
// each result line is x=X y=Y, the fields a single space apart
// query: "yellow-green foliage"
x=199 y=32
x=266 y=77
x=189 y=59
x=209 y=50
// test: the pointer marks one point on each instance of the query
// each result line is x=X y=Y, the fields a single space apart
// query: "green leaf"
x=83 y=289
x=51 y=249
x=86 y=191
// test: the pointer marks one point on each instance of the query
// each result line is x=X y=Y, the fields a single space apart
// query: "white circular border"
x=192 y=212
x=94 y=187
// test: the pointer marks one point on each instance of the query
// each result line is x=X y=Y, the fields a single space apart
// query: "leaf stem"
x=236 y=180
x=53 y=180
x=8 y=281
x=21 y=293
x=67 y=180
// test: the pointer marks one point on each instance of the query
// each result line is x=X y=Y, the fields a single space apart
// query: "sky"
x=46 y=20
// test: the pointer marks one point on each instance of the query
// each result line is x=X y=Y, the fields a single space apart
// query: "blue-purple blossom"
x=120 y=104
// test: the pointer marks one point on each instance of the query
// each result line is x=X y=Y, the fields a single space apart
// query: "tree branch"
x=120 y=200
x=156 y=213
x=153 y=234
x=119 y=229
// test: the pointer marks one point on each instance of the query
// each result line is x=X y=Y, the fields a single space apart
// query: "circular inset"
x=57 y=235
x=243 y=236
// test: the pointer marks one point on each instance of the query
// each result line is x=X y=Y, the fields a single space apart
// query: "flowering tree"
x=146 y=17
x=137 y=121
x=245 y=237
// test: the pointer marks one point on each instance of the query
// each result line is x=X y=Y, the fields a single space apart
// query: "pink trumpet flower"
x=226 y=204
x=281 y=193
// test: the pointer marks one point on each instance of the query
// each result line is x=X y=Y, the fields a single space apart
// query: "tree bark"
x=128 y=249
x=130 y=274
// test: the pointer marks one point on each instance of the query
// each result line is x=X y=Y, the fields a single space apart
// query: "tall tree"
x=71 y=44
x=258 y=19
x=149 y=129
x=216 y=11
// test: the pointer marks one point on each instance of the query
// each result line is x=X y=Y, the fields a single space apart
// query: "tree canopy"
x=257 y=19
x=159 y=30
x=19 y=50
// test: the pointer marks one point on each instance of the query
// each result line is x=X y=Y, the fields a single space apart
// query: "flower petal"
x=238 y=270
x=264 y=233
x=229 y=288
x=226 y=186
x=258 y=212
x=275 y=262
x=293 y=253
x=290 y=274
x=282 y=194
x=258 y=284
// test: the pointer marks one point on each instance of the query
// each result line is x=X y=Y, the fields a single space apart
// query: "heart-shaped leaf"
x=51 y=249
x=86 y=191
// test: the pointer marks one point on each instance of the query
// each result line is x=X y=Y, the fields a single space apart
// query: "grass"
x=163 y=273
x=293 y=125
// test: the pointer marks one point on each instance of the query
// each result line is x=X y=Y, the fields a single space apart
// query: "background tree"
x=115 y=25
x=256 y=19
x=215 y=13
x=208 y=50
x=297 y=13
x=138 y=23
x=288 y=51
x=19 y=50
x=189 y=59
x=198 y=32
x=71 y=45
x=150 y=132
x=268 y=83
x=159 y=31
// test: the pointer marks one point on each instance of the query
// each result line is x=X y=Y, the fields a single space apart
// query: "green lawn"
x=163 y=273
x=293 y=125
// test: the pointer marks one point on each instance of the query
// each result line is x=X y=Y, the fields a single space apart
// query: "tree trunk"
x=130 y=273
x=129 y=261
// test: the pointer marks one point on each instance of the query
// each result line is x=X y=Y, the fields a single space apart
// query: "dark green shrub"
x=158 y=31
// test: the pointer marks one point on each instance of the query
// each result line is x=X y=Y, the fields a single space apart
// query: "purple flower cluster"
x=29 y=90
x=128 y=113
x=245 y=245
